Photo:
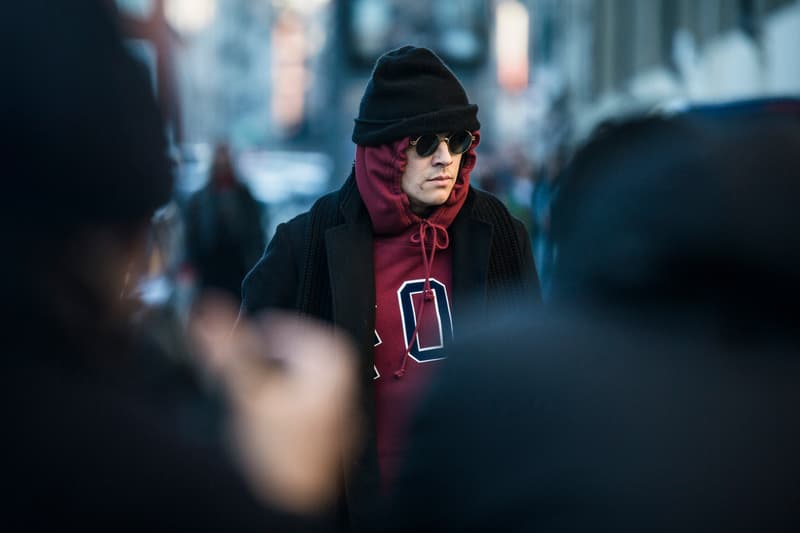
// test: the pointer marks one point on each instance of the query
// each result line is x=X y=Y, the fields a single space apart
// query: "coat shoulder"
x=487 y=207
x=482 y=200
x=298 y=226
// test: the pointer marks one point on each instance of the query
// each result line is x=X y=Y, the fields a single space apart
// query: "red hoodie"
x=412 y=259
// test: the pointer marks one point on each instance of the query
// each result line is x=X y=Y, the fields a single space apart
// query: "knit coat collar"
x=379 y=170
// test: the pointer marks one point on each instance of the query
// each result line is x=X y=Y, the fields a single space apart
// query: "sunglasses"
x=457 y=143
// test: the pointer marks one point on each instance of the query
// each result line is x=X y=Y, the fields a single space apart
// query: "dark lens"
x=427 y=144
x=460 y=142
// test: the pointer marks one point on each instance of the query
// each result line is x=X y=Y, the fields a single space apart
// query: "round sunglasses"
x=457 y=143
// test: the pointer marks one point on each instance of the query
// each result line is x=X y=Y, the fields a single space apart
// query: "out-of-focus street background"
x=278 y=82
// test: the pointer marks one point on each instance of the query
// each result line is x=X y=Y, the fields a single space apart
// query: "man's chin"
x=437 y=200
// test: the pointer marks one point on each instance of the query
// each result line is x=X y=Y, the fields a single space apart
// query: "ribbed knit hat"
x=411 y=92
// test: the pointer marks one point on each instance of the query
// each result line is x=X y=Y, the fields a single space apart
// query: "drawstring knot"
x=437 y=236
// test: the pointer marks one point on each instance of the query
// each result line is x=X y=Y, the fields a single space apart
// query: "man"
x=84 y=446
x=658 y=392
x=400 y=249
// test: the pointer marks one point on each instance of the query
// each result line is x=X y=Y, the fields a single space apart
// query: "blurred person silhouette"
x=85 y=168
x=658 y=390
x=224 y=228
x=398 y=251
x=545 y=189
x=519 y=194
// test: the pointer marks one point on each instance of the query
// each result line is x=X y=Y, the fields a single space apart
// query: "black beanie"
x=411 y=92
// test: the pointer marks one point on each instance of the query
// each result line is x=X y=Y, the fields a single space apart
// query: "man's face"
x=429 y=180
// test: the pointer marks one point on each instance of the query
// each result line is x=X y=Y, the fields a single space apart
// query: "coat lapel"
x=352 y=279
x=351 y=271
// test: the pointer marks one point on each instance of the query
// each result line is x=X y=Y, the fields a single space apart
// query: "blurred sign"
x=511 y=45
x=190 y=16
x=288 y=72
x=457 y=31
x=138 y=9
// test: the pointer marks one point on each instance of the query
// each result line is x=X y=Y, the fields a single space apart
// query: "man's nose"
x=442 y=154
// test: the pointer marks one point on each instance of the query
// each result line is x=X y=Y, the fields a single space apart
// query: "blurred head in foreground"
x=85 y=166
x=85 y=155
x=693 y=213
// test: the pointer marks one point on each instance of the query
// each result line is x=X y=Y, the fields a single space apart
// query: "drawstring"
x=437 y=231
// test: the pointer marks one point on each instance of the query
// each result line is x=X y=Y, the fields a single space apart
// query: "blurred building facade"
x=616 y=56
x=281 y=79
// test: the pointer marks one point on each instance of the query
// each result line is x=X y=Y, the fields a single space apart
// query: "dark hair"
x=683 y=212
x=83 y=139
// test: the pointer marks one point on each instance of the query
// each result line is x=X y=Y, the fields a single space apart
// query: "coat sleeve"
x=530 y=277
x=273 y=281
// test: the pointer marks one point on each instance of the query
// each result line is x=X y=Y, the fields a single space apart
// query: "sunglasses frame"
x=441 y=138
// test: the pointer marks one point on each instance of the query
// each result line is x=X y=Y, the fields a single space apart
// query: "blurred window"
x=457 y=30
x=138 y=9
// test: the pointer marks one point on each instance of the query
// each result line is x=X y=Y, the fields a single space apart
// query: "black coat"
x=344 y=292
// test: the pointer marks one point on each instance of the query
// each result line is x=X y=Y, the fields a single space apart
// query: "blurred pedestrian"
x=545 y=188
x=224 y=228
x=85 y=168
x=658 y=391
x=400 y=250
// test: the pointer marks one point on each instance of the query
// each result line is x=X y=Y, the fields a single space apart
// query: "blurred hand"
x=291 y=383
